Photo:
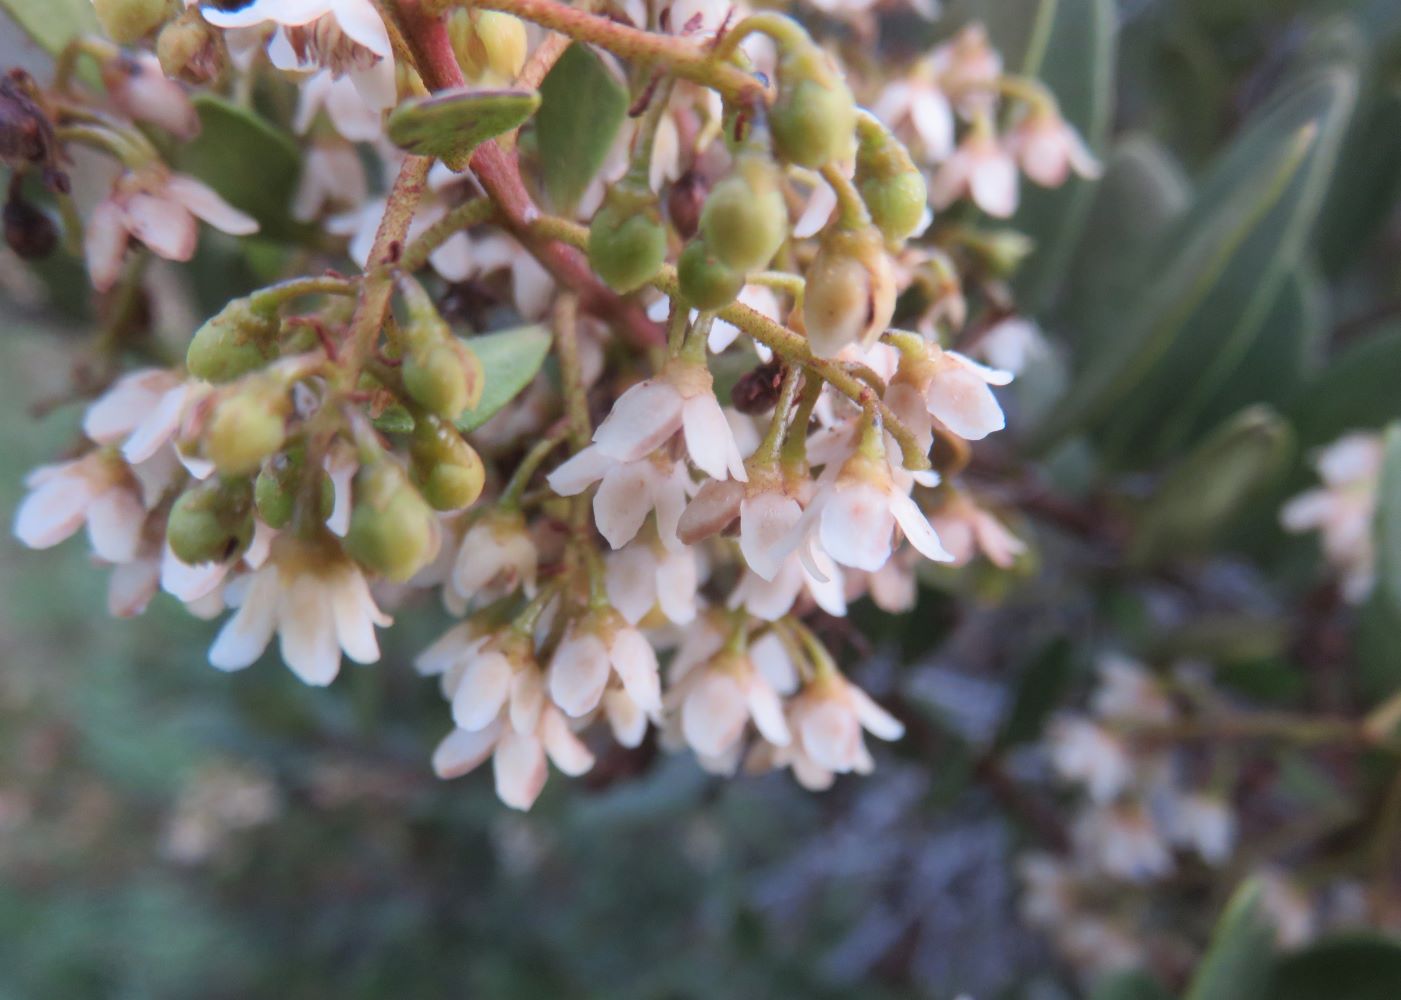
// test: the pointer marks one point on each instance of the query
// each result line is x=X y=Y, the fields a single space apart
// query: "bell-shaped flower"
x=496 y=556
x=956 y=391
x=97 y=491
x=980 y=168
x=717 y=699
x=1049 y=149
x=520 y=759
x=967 y=529
x=597 y=647
x=828 y=718
x=647 y=575
x=628 y=491
x=1342 y=509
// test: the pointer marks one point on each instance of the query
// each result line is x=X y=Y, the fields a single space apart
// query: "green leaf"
x=1354 y=967
x=1203 y=494
x=1356 y=390
x=582 y=107
x=1076 y=61
x=1237 y=964
x=52 y=23
x=1202 y=250
x=1142 y=193
x=250 y=162
x=450 y=124
x=1388 y=523
x=510 y=359
x=1171 y=407
x=1129 y=986
x=1040 y=689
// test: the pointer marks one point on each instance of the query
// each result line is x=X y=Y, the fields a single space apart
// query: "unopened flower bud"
x=488 y=44
x=235 y=341
x=890 y=184
x=850 y=294
x=445 y=467
x=392 y=530
x=713 y=510
x=191 y=50
x=211 y=521
x=279 y=484
x=705 y=282
x=246 y=428
x=627 y=244
x=29 y=231
x=745 y=220
x=440 y=372
x=1004 y=250
x=127 y=21
x=684 y=202
x=815 y=114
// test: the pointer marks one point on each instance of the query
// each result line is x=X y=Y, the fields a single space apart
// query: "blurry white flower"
x=519 y=759
x=1048 y=149
x=332 y=178
x=1089 y=755
x=1123 y=841
x=142 y=92
x=967 y=529
x=1204 y=823
x=980 y=168
x=496 y=556
x=96 y=490
x=1343 y=508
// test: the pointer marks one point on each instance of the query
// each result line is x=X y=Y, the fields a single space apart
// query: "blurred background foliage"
x=1226 y=298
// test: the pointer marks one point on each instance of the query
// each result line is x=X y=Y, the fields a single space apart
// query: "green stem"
x=274 y=296
x=853 y=210
x=534 y=458
x=795 y=447
x=767 y=452
x=464 y=216
x=786 y=32
x=576 y=403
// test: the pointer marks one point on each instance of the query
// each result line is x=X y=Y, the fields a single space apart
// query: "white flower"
x=96 y=490
x=345 y=36
x=1205 y=823
x=920 y=100
x=317 y=602
x=955 y=391
x=1012 y=345
x=496 y=556
x=159 y=208
x=1088 y=754
x=967 y=529
x=1342 y=510
x=645 y=575
x=532 y=288
x=1122 y=841
x=350 y=116
x=828 y=718
x=628 y=491
x=854 y=513
x=332 y=177
x=142 y=92
x=681 y=398
x=716 y=700
x=593 y=650
x=1049 y=149
x=518 y=757
x=981 y=168
x=1128 y=692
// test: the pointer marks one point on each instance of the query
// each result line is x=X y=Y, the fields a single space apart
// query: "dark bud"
x=29 y=231
x=683 y=203
x=757 y=391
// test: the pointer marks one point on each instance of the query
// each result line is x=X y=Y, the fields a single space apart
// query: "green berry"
x=445 y=379
x=850 y=291
x=627 y=244
x=744 y=220
x=233 y=342
x=705 y=282
x=896 y=205
x=814 y=116
x=446 y=468
x=245 y=429
x=128 y=21
x=392 y=530
x=211 y=521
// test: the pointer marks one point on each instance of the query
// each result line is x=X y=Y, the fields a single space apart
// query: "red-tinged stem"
x=499 y=174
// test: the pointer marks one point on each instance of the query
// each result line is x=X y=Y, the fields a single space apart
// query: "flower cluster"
x=626 y=552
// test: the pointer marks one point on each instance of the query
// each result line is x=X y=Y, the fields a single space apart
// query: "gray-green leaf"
x=450 y=124
x=1238 y=962
x=52 y=23
x=510 y=359
x=582 y=107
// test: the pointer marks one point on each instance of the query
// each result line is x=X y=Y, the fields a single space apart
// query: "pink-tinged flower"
x=717 y=699
x=770 y=600
x=532 y=288
x=1122 y=841
x=981 y=168
x=96 y=490
x=142 y=412
x=454 y=260
x=828 y=718
x=893 y=588
x=1127 y=692
x=497 y=555
x=1012 y=345
x=349 y=114
x=968 y=67
x=956 y=391
x=1048 y=149
x=681 y=398
x=143 y=93
x=967 y=529
x=1204 y=823
x=160 y=209
x=647 y=575
x=493 y=675
x=333 y=177
x=1089 y=755
x=921 y=103
x=519 y=759
x=347 y=37
x=1342 y=510
x=597 y=647
x=449 y=655
x=314 y=599
x=854 y=513
x=628 y=491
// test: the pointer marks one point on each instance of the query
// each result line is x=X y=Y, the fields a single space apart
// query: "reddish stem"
x=499 y=174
